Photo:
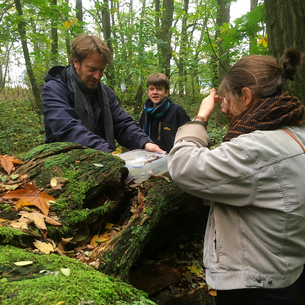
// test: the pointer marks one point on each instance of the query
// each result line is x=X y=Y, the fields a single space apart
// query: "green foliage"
x=21 y=128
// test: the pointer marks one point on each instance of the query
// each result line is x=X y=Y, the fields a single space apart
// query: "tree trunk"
x=165 y=36
x=224 y=17
x=252 y=36
x=183 y=53
x=22 y=33
x=285 y=22
x=54 y=35
x=93 y=194
x=139 y=96
x=109 y=72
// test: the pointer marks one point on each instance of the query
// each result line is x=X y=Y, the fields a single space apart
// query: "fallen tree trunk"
x=96 y=207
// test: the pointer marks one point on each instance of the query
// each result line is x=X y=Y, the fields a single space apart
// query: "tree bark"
x=224 y=17
x=183 y=53
x=252 y=36
x=54 y=35
x=285 y=22
x=22 y=33
x=109 y=72
x=165 y=35
x=139 y=95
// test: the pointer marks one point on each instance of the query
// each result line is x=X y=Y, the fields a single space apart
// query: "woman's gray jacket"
x=255 y=236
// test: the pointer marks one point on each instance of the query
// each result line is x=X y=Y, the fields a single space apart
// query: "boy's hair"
x=85 y=45
x=158 y=80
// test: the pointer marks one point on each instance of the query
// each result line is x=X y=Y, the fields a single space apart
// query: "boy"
x=161 y=118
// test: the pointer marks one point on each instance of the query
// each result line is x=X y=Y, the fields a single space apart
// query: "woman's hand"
x=208 y=104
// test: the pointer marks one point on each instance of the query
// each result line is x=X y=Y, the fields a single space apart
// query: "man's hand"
x=153 y=147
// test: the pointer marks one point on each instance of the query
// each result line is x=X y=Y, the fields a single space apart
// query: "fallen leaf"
x=21 y=223
x=194 y=270
x=108 y=225
x=65 y=271
x=98 y=165
x=7 y=162
x=30 y=195
x=212 y=292
x=165 y=178
x=23 y=263
x=63 y=242
x=45 y=248
x=93 y=243
x=39 y=220
x=8 y=187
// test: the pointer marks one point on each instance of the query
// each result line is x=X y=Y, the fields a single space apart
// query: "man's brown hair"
x=85 y=45
x=158 y=80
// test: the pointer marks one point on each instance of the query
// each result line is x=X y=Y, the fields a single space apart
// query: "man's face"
x=156 y=95
x=90 y=70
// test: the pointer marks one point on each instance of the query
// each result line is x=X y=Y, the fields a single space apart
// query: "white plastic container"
x=142 y=164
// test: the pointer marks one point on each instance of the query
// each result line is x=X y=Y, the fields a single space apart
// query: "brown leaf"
x=64 y=241
x=7 y=162
x=31 y=196
x=40 y=219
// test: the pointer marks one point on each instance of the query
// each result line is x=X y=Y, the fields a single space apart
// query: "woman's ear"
x=247 y=96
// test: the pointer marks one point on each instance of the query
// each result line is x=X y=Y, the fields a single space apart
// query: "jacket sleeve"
x=126 y=131
x=225 y=174
x=141 y=121
x=61 y=121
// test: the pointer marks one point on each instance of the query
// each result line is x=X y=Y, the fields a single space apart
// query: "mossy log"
x=95 y=193
x=53 y=279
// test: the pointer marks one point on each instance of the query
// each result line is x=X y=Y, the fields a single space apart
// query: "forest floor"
x=170 y=269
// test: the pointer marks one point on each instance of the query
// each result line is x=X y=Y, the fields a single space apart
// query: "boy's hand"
x=153 y=147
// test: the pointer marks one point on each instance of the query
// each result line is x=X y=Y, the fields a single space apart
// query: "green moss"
x=84 y=283
x=101 y=210
x=37 y=150
x=9 y=235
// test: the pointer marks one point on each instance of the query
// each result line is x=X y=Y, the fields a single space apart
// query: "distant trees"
x=191 y=41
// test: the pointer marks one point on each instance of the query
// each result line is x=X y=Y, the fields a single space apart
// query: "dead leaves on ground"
x=30 y=195
x=7 y=162
x=15 y=186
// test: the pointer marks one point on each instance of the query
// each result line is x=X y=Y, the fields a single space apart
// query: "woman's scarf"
x=157 y=112
x=268 y=114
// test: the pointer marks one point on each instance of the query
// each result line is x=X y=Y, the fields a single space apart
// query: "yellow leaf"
x=67 y=24
x=108 y=225
x=45 y=248
x=194 y=270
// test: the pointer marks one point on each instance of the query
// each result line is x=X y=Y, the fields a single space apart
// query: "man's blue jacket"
x=63 y=125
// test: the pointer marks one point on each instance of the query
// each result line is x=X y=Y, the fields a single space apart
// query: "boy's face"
x=156 y=95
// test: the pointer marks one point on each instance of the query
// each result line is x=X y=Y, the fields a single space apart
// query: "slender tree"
x=54 y=36
x=224 y=17
x=107 y=37
x=28 y=64
x=165 y=35
x=183 y=52
x=252 y=34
